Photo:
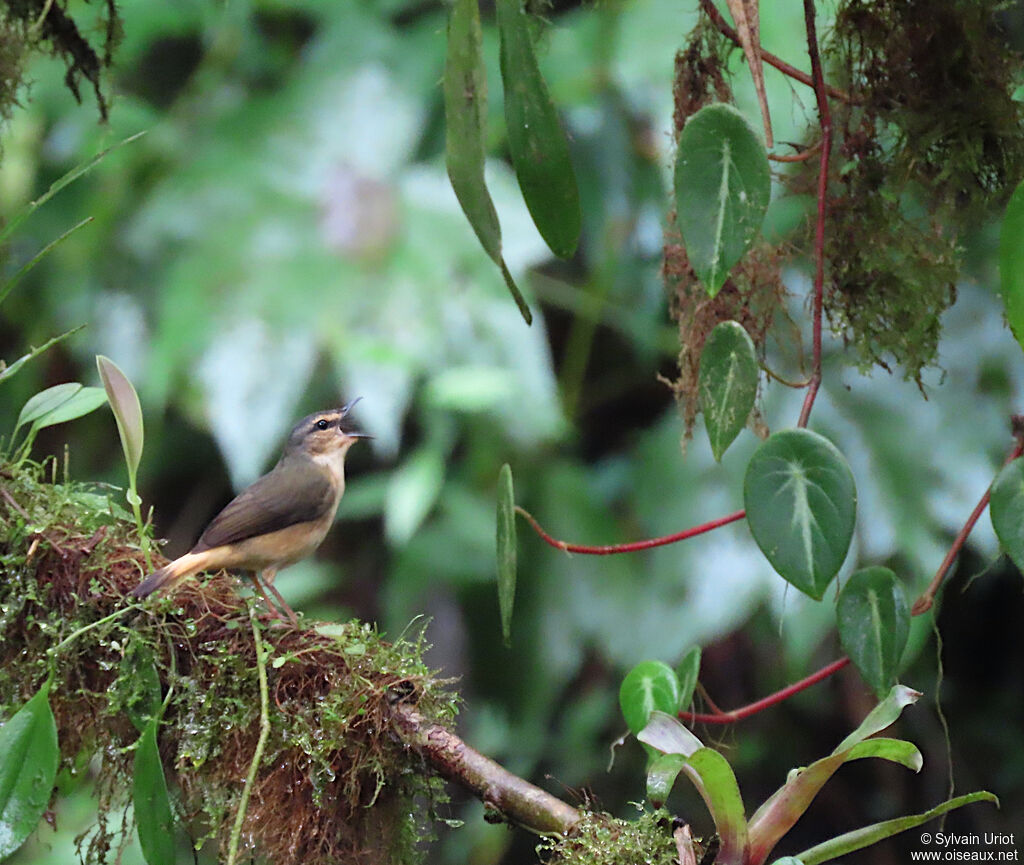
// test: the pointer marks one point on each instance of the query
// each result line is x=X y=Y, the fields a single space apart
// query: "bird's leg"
x=274 y=611
x=268 y=580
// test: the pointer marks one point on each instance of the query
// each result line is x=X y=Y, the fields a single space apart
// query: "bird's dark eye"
x=322 y=424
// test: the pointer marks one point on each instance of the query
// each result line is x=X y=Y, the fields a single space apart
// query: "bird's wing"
x=295 y=491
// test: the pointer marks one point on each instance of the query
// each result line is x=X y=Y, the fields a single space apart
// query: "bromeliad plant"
x=650 y=697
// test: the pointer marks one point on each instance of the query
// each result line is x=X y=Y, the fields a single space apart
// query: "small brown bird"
x=281 y=518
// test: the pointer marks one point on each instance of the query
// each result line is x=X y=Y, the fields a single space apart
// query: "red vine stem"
x=924 y=603
x=819 y=228
x=821 y=97
x=633 y=546
x=772 y=60
x=921 y=605
x=766 y=702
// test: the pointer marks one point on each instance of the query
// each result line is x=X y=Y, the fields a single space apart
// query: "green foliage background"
x=285 y=237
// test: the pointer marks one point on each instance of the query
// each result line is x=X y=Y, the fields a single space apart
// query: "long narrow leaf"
x=722 y=795
x=28 y=769
x=893 y=750
x=152 y=804
x=8 y=371
x=784 y=807
x=465 y=110
x=747 y=17
x=124 y=402
x=536 y=141
x=506 y=541
x=867 y=835
x=11 y=283
x=60 y=183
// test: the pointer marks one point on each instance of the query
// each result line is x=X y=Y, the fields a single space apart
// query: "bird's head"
x=324 y=433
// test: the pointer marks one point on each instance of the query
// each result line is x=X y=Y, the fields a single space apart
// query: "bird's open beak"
x=351 y=433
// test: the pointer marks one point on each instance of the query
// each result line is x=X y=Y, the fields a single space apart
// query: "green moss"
x=929 y=142
x=39 y=25
x=600 y=839
x=335 y=783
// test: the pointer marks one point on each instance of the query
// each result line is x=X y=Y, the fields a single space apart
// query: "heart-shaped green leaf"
x=648 y=686
x=801 y=505
x=727 y=384
x=506 y=537
x=722 y=186
x=465 y=110
x=874 y=624
x=153 y=816
x=28 y=769
x=1006 y=509
x=1011 y=262
x=536 y=141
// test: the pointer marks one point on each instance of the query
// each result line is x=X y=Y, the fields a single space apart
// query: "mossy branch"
x=510 y=797
x=341 y=737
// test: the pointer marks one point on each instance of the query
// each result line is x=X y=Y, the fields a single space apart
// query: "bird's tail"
x=170 y=574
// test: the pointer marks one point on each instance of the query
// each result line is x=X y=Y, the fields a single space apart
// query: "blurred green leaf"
x=124 y=402
x=858 y=839
x=727 y=384
x=28 y=769
x=801 y=505
x=722 y=187
x=412 y=493
x=650 y=685
x=46 y=401
x=465 y=108
x=874 y=623
x=1006 y=510
x=537 y=143
x=153 y=816
x=1011 y=262
x=687 y=673
x=506 y=537
x=470 y=388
